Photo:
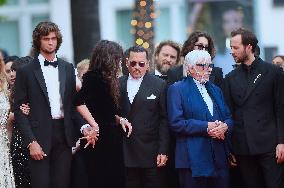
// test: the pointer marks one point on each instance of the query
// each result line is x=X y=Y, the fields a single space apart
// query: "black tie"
x=54 y=63
x=164 y=77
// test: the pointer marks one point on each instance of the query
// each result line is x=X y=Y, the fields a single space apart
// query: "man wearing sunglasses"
x=196 y=41
x=143 y=103
x=201 y=121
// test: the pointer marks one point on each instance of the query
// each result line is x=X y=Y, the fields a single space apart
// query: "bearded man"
x=166 y=56
x=252 y=92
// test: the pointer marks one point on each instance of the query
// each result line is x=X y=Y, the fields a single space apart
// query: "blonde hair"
x=83 y=63
x=3 y=80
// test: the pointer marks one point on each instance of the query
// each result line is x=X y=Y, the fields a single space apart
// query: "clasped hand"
x=217 y=129
x=91 y=134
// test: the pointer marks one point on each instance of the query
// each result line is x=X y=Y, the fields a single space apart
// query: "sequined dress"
x=19 y=154
x=6 y=169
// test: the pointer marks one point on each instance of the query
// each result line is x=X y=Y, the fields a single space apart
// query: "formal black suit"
x=176 y=73
x=169 y=177
x=54 y=136
x=253 y=96
x=150 y=135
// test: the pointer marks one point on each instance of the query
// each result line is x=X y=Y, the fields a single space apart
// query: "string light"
x=133 y=22
x=148 y=25
x=143 y=24
x=139 y=41
x=146 y=45
x=143 y=3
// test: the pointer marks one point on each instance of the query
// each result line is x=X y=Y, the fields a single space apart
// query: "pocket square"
x=151 y=97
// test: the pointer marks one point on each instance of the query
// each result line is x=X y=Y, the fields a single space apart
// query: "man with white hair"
x=201 y=121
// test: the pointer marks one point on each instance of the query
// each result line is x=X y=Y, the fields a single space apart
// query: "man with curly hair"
x=48 y=84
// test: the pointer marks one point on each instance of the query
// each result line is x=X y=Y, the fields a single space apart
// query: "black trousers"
x=79 y=175
x=54 y=170
x=143 y=178
x=169 y=174
x=260 y=171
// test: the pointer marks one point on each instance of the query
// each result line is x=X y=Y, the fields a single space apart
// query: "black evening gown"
x=20 y=159
x=104 y=162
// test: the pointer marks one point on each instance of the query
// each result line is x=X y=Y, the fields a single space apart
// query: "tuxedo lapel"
x=62 y=78
x=124 y=95
x=216 y=98
x=193 y=92
x=179 y=72
x=239 y=81
x=39 y=76
x=140 y=94
x=257 y=78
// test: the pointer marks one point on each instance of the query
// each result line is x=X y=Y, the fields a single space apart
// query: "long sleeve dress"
x=6 y=169
x=104 y=163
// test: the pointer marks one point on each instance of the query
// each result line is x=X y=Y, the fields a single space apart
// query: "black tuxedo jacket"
x=148 y=116
x=176 y=73
x=31 y=88
x=256 y=108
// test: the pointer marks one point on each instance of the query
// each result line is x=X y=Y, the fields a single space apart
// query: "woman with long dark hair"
x=19 y=152
x=98 y=103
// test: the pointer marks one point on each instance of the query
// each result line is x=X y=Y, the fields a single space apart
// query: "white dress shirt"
x=206 y=97
x=51 y=78
x=133 y=86
x=158 y=73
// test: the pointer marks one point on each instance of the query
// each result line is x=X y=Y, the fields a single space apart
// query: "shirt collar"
x=42 y=59
x=198 y=83
x=158 y=73
x=133 y=79
x=250 y=67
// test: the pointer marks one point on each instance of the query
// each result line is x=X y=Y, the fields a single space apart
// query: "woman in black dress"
x=19 y=153
x=97 y=102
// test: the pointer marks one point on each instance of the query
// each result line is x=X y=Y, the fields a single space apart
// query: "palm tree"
x=2 y=2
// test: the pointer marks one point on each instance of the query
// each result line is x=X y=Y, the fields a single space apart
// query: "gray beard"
x=161 y=69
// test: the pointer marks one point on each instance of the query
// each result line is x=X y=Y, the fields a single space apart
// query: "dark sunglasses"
x=134 y=63
x=205 y=65
x=201 y=47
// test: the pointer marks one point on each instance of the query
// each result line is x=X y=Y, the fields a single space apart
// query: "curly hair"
x=170 y=43
x=193 y=38
x=43 y=29
x=105 y=58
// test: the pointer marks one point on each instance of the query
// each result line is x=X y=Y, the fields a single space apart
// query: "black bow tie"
x=164 y=77
x=54 y=63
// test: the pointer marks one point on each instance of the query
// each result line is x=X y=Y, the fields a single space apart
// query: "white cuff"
x=83 y=127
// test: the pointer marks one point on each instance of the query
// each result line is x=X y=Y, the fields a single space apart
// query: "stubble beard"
x=242 y=58
x=48 y=52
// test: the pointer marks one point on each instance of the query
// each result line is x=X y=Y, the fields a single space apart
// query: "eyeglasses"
x=201 y=47
x=134 y=63
x=211 y=65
